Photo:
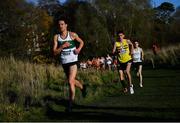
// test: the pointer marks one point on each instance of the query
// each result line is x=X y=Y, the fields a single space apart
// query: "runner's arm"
x=114 y=48
x=131 y=46
x=55 y=46
x=142 y=54
x=78 y=39
x=56 y=49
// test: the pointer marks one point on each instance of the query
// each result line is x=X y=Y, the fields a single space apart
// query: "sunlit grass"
x=25 y=85
x=166 y=56
x=26 y=79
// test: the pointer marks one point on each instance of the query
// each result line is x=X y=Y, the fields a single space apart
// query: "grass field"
x=38 y=92
x=158 y=100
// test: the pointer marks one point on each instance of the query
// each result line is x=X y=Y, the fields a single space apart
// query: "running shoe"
x=131 y=90
x=141 y=85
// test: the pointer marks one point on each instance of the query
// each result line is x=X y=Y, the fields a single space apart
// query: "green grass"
x=35 y=92
x=167 y=56
x=157 y=101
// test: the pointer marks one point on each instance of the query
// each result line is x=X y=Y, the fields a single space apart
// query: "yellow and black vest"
x=123 y=51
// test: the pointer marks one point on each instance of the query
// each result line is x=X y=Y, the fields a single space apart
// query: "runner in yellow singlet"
x=123 y=49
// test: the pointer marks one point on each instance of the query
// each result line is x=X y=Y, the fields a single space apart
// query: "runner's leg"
x=78 y=84
x=121 y=75
x=128 y=68
x=140 y=76
x=72 y=76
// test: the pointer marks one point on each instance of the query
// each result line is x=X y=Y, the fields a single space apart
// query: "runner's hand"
x=76 y=51
x=66 y=44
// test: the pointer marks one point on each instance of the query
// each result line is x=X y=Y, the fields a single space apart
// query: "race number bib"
x=122 y=51
x=68 y=56
x=65 y=53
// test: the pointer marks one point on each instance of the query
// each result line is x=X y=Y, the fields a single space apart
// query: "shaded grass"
x=33 y=92
x=158 y=100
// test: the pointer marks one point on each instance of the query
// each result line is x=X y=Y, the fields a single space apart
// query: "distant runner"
x=138 y=57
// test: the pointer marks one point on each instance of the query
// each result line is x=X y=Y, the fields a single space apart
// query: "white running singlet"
x=67 y=55
x=137 y=55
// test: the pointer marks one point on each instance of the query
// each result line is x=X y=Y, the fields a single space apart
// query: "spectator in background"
x=108 y=61
x=83 y=65
x=155 y=50
x=102 y=63
x=89 y=63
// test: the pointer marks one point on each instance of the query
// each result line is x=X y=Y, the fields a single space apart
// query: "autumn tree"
x=21 y=25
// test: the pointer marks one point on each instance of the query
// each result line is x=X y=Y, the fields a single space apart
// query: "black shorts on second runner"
x=67 y=66
x=122 y=66
x=137 y=64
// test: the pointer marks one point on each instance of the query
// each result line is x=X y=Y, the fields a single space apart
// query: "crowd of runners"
x=123 y=55
x=99 y=63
